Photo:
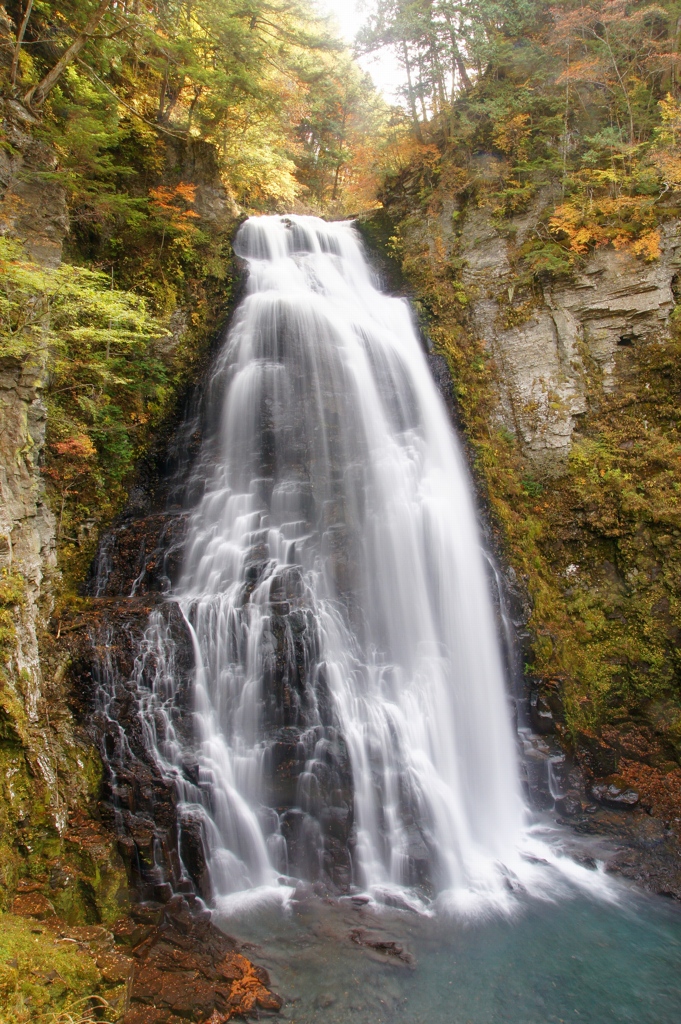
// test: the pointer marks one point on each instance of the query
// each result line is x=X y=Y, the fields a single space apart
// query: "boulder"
x=617 y=796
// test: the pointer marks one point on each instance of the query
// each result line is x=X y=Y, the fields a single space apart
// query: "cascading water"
x=320 y=695
x=350 y=712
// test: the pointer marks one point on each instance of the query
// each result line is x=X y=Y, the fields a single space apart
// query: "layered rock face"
x=27 y=526
x=32 y=208
x=36 y=214
x=47 y=848
x=551 y=352
x=568 y=390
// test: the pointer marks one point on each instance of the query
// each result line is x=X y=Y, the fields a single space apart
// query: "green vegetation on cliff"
x=558 y=128
x=132 y=140
x=578 y=98
x=106 y=381
x=161 y=124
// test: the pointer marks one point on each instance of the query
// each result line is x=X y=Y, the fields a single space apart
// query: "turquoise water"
x=577 y=960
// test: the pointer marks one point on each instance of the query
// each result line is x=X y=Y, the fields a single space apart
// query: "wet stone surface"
x=613 y=795
x=184 y=968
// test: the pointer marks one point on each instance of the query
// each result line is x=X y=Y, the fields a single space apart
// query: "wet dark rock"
x=585 y=860
x=130 y=932
x=163 y=892
x=598 y=758
x=536 y=783
x=113 y=670
x=420 y=858
x=635 y=846
x=388 y=950
x=546 y=709
x=140 y=556
x=148 y=912
x=613 y=795
x=337 y=822
x=569 y=805
x=193 y=853
x=190 y=767
x=442 y=375
x=184 y=968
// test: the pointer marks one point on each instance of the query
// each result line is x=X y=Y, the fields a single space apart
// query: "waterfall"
x=350 y=717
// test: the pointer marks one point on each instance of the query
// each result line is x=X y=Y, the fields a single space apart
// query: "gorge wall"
x=568 y=391
x=31 y=797
x=557 y=347
x=68 y=903
x=50 y=771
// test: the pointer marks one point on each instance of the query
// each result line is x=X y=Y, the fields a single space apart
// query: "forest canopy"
x=265 y=82
x=579 y=96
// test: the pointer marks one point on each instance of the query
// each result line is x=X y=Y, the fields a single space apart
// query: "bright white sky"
x=382 y=66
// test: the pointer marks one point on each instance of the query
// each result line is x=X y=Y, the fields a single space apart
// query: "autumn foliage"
x=574 y=106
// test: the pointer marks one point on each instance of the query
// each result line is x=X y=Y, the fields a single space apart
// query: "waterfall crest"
x=350 y=717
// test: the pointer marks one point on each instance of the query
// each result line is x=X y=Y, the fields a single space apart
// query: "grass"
x=44 y=978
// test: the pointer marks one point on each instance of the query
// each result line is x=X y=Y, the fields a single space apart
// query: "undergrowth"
x=45 y=979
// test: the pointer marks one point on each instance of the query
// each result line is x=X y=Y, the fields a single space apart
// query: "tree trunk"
x=461 y=68
x=410 y=90
x=458 y=59
x=421 y=92
x=334 y=194
x=162 y=93
x=677 y=44
x=20 y=39
x=35 y=97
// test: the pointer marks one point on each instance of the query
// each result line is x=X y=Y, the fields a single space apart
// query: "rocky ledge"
x=626 y=809
x=183 y=968
x=161 y=964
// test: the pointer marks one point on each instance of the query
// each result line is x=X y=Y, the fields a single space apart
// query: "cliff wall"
x=55 y=855
x=568 y=389
x=559 y=343
x=49 y=774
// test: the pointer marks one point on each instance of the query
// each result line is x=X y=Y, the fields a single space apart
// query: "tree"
x=236 y=75
x=618 y=47
x=36 y=95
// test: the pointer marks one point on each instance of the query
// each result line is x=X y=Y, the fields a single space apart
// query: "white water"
x=335 y=589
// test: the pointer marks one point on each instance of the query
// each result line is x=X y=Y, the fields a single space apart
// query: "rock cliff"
x=556 y=343
x=37 y=215
x=567 y=387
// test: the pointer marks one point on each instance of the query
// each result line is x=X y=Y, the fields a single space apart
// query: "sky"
x=382 y=66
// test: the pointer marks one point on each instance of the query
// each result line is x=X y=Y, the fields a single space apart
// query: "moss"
x=43 y=976
x=76 y=865
x=189 y=293
x=599 y=550
x=12 y=597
